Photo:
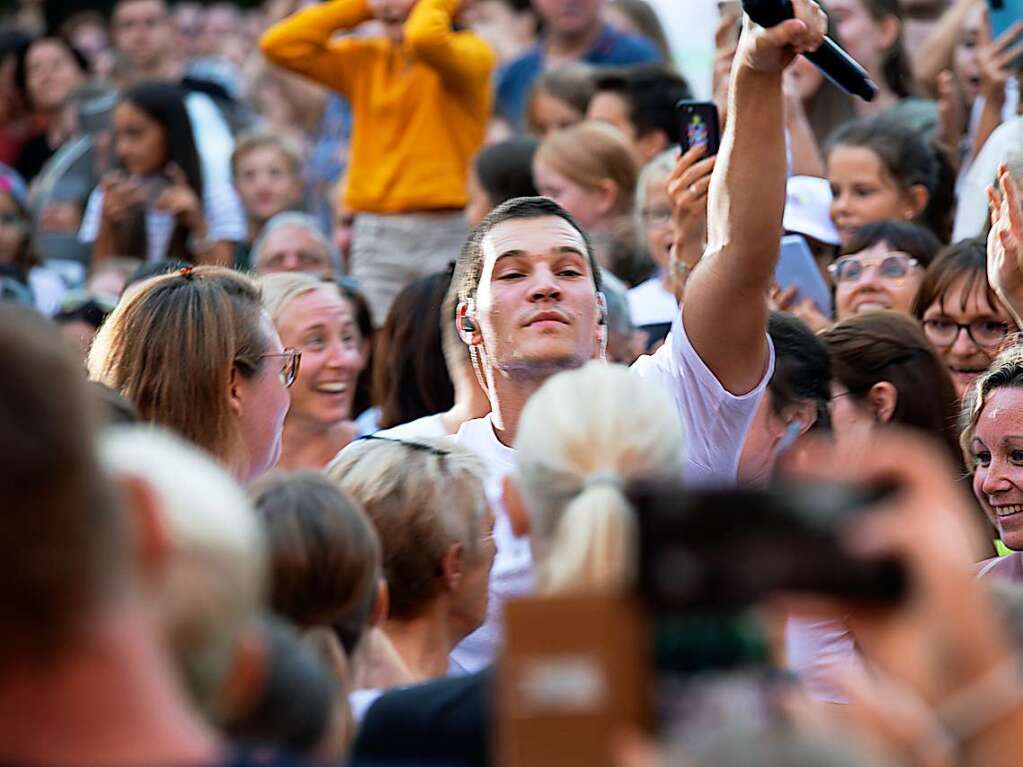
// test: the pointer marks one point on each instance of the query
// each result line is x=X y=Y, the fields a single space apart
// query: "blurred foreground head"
x=65 y=544
x=200 y=554
x=582 y=436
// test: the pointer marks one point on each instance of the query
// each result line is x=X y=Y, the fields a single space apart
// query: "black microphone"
x=834 y=63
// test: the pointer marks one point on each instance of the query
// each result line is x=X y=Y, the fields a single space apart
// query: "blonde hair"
x=589 y=154
x=422 y=497
x=170 y=347
x=281 y=288
x=1005 y=372
x=250 y=142
x=212 y=588
x=581 y=437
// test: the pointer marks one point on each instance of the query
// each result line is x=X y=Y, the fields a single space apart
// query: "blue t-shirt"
x=613 y=48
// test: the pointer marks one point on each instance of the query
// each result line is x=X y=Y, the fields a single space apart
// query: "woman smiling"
x=320 y=322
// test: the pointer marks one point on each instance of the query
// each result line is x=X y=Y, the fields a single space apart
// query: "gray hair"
x=659 y=167
x=296 y=220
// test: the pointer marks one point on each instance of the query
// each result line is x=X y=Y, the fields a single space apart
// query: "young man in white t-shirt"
x=530 y=304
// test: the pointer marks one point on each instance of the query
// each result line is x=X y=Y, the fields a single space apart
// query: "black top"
x=444 y=722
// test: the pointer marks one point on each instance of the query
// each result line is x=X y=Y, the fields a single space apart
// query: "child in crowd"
x=421 y=100
x=267 y=172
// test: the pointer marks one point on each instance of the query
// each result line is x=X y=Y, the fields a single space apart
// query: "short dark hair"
x=67 y=542
x=21 y=66
x=802 y=368
x=966 y=259
x=470 y=262
x=505 y=169
x=916 y=241
x=651 y=92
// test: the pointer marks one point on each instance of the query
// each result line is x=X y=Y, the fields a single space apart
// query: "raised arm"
x=463 y=59
x=725 y=311
x=302 y=42
x=1005 y=243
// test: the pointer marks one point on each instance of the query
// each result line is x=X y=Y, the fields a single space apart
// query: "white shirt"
x=225 y=219
x=651 y=304
x=972 y=211
x=427 y=426
x=815 y=650
x=714 y=424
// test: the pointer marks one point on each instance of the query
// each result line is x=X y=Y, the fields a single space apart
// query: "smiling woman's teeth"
x=333 y=388
x=1008 y=511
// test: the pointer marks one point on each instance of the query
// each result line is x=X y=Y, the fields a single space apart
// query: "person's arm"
x=936 y=53
x=302 y=42
x=725 y=312
x=464 y=60
x=1005 y=243
x=995 y=61
x=807 y=159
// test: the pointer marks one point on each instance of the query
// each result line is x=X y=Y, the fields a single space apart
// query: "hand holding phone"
x=797 y=269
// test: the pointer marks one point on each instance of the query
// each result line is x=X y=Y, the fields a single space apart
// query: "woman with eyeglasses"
x=881 y=268
x=961 y=313
x=316 y=318
x=195 y=352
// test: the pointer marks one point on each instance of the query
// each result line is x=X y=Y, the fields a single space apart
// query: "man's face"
x=536 y=305
x=143 y=32
x=293 y=249
x=570 y=17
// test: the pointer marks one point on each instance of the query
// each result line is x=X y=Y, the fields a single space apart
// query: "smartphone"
x=152 y=187
x=1002 y=14
x=797 y=267
x=699 y=124
x=721 y=551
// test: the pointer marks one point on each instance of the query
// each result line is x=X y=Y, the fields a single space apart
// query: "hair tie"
x=186 y=272
x=602 y=477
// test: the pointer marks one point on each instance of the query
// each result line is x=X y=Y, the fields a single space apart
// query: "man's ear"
x=469 y=331
x=152 y=539
x=453 y=567
x=515 y=507
x=235 y=393
x=883 y=398
x=652 y=143
x=916 y=199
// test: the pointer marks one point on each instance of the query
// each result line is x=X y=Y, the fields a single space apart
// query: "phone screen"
x=699 y=125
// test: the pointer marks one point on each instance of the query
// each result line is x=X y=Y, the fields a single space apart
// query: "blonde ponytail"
x=595 y=541
x=581 y=438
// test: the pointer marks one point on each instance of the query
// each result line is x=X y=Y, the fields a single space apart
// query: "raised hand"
x=995 y=60
x=771 y=50
x=1005 y=242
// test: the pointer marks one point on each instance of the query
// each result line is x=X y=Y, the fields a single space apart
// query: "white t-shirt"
x=225 y=219
x=713 y=421
x=48 y=289
x=815 y=650
x=972 y=211
x=427 y=426
x=651 y=304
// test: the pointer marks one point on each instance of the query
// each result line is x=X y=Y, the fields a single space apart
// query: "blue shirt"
x=613 y=48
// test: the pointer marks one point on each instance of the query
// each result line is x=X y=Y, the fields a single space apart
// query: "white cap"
x=808 y=209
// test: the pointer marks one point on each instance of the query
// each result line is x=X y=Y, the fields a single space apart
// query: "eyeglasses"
x=656 y=216
x=987 y=334
x=289 y=367
x=894 y=266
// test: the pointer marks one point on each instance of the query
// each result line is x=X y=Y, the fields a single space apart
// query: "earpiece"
x=602 y=307
x=469 y=320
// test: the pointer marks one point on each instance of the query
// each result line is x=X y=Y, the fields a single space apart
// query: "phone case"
x=796 y=266
x=699 y=125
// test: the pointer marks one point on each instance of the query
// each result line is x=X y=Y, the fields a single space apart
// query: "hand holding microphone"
x=793 y=27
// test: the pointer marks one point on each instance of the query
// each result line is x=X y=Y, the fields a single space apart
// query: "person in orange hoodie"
x=421 y=98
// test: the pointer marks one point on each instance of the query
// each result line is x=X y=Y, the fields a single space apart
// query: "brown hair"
x=250 y=142
x=590 y=153
x=410 y=379
x=966 y=260
x=889 y=346
x=324 y=554
x=67 y=546
x=571 y=82
x=422 y=497
x=1006 y=372
x=170 y=347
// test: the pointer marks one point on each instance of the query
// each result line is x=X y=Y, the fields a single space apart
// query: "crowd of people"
x=344 y=339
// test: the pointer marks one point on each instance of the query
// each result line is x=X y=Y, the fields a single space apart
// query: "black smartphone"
x=722 y=551
x=699 y=124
